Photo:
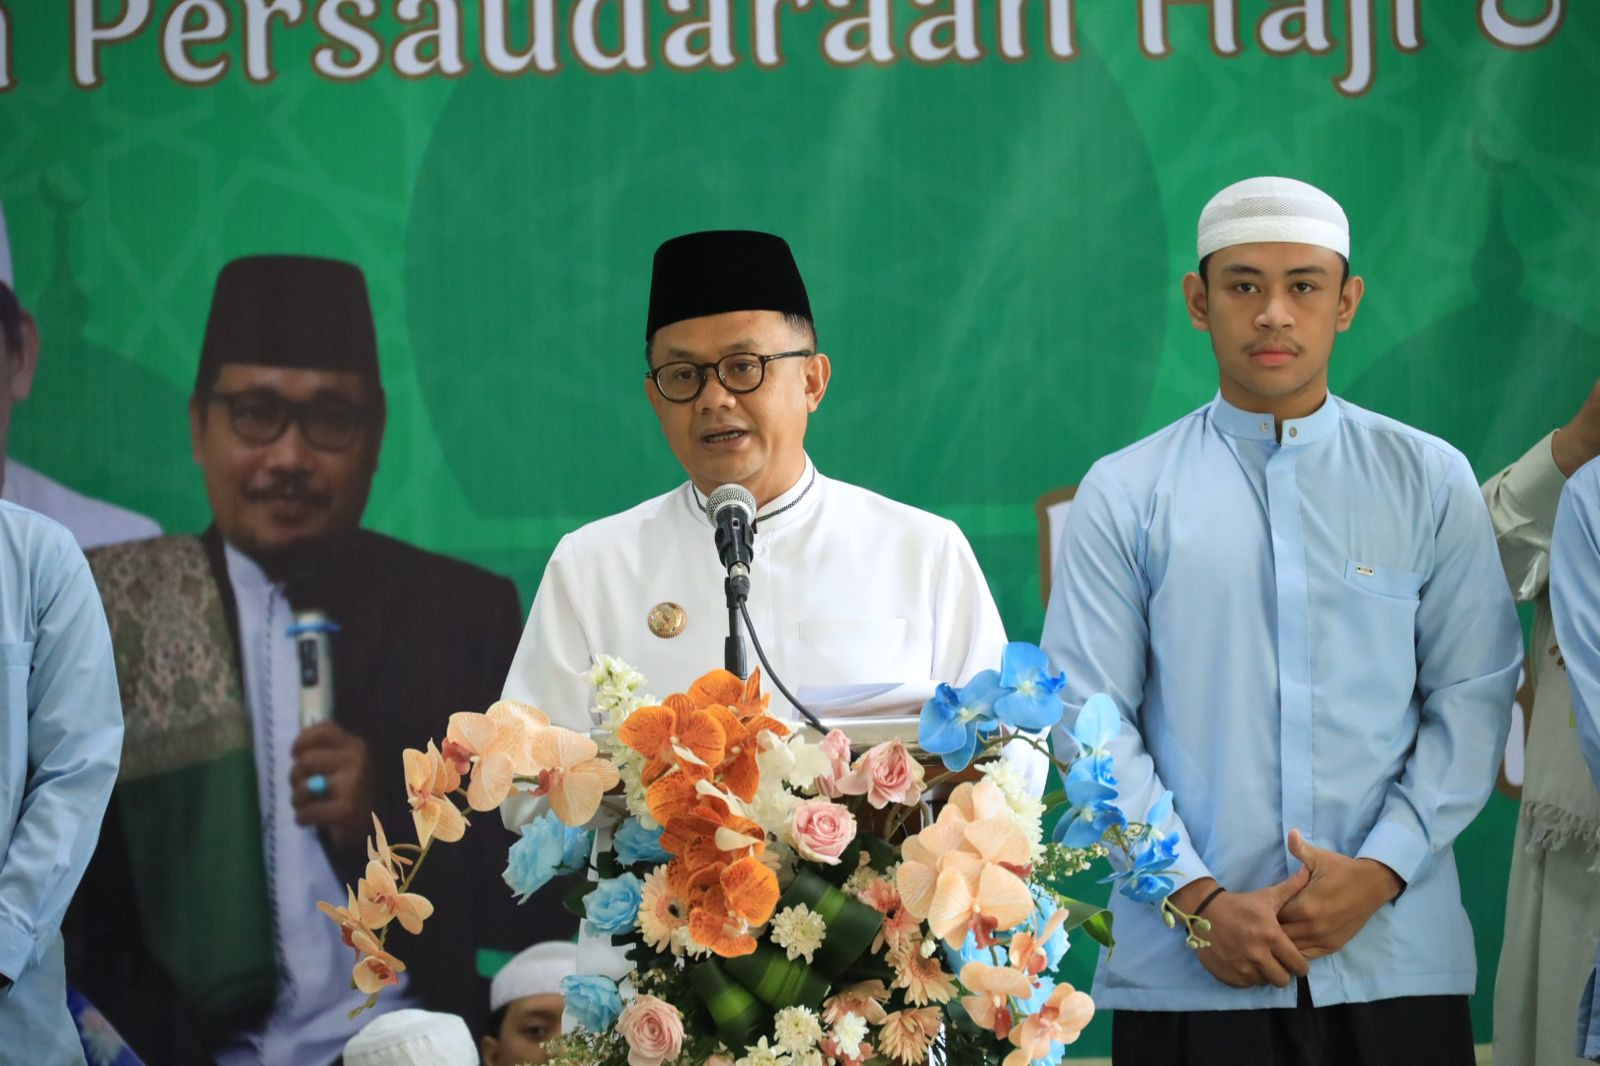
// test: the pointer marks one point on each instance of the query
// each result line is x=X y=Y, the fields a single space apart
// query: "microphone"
x=732 y=511
x=310 y=631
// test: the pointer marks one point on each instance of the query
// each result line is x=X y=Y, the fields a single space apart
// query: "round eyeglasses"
x=740 y=372
x=260 y=416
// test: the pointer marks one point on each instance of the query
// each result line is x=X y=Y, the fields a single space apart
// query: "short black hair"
x=10 y=320
x=794 y=319
x=497 y=1020
x=1207 y=281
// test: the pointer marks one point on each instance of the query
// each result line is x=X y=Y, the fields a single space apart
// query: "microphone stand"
x=736 y=587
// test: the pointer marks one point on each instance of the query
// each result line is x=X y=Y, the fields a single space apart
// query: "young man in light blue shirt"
x=62 y=740
x=1298 y=607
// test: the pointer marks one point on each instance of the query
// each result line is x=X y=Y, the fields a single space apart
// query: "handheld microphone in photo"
x=313 y=653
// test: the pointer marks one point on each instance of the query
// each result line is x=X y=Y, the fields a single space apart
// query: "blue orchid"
x=1033 y=702
x=1097 y=723
x=1091 y=787
x=1145 y=880
x=952 y=721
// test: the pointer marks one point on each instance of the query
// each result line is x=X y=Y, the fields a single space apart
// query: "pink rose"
x=885 y=774
x=821 y=830
x=836 y=746
x=653 y=1029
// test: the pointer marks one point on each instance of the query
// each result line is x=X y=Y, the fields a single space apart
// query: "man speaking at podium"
x=846 y=587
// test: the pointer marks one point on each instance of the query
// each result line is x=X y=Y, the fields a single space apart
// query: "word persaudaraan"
x=201 y=41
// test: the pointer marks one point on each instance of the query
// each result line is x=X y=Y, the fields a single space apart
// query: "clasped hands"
x=1270 y=935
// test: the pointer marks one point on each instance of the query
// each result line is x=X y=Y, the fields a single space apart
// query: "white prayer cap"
x=1260 y=210
x=5 y=254
x=412 y=1038
x=536 y=971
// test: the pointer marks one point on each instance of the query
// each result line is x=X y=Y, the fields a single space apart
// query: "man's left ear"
x=27 y=360
x=1349 y=299
x=818 y=370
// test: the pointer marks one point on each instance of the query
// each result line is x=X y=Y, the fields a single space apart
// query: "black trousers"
x=1407 y=1031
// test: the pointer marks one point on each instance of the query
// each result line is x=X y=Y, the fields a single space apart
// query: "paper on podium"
x=872 y=713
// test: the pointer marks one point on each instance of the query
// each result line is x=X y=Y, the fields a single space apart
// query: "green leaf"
x=1092 y=918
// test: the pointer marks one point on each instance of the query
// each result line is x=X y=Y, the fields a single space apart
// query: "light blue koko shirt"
x=1575 y=605
x=1311 y=634
x=60 y=745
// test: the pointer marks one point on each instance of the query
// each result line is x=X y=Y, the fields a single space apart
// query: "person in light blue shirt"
x=1298 y=608
x=58 y=761
x=1575 y=609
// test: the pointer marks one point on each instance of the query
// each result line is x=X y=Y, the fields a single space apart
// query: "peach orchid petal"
x=575 y=793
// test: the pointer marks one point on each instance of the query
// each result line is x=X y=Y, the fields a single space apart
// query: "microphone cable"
x=749 y=628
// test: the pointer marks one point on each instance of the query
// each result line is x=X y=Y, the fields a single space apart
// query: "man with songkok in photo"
x=1575 y=607
x=63 y=730
x=92 y=522
x=846 y=587
x=1297 y=606
x=525 y=1004
x=1553 y=896
x=233 y=818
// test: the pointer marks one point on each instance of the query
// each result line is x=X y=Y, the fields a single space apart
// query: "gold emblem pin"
x=667 y=619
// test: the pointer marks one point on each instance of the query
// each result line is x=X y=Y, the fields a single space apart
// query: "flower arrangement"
x=784 y=902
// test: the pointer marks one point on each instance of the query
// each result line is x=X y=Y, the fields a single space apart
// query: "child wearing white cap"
x=412 y=1038
x=525 y=1004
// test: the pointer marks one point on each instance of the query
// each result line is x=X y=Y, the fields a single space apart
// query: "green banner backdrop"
x=992 y=201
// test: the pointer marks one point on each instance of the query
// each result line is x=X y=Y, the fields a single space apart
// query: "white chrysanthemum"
x=849 y=1032
x=1026 y=809
x=798 y=930
x=797 y=1029
x=858 y=881
x=811 y=1057
x=762 y=1054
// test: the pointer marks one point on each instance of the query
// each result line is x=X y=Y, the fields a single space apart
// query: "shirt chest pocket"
x=1371 y=628
x=855 y=650
x=1383 y=580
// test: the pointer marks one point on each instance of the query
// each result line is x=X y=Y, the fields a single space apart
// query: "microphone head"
x=731 y=495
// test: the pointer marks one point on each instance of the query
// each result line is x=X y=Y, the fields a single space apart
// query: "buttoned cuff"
x=1535 y=481
x=1399 y=847
x=16 y=949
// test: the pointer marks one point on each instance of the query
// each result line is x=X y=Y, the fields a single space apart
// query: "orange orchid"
x=723 y=688
x=570 y=773
x=674 y=734
x=376 y=967
x=743 y=895
x=495 y=746
x=429 y=782
x=993 y=988
x=381 y=852
x=1001 y=901
x=348 y=917
x=1061 y=1020
x=1027 y=949
x=381 y=900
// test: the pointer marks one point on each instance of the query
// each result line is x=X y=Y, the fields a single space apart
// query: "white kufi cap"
x=412 y=1038
x=1262 y=210
x=536 y=971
